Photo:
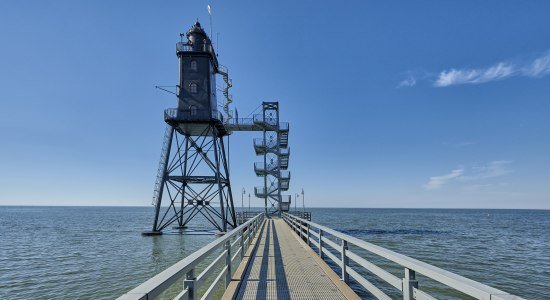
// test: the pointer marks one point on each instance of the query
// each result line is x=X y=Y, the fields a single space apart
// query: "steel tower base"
x=151 y=233
x=193 y=179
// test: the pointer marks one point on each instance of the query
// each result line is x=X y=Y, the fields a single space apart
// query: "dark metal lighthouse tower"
x=193 y=176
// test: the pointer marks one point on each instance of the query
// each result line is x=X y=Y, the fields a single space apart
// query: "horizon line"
x=299 y=209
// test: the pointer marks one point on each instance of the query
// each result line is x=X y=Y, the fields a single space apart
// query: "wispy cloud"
x=436 y=182
x=535 y=68
x=490 y=170
x=532 y=68
x=408 y=82
x=464 y=76
x=539 y=67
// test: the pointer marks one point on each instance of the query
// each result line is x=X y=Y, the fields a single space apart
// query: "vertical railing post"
x=320 y=243
x=248 y=236
x=189 y=284
x=242 y=243
x=307 y=238
x=345 y=261
x=228 y=262
x=409 y=282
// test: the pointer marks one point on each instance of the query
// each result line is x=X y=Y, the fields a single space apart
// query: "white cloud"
x=408 y=82
x=538 y=67
x=437 y=181
x=490 y=170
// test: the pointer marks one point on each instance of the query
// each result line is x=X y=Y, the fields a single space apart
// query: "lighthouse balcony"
x=191 y=115
x=185 y=47
x=195 y=122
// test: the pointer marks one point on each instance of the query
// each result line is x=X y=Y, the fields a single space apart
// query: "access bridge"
x=292 y=258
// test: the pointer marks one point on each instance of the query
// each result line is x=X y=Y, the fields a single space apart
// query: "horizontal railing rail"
x=242 y=121
x=220 y=268
x=306 y=215
x=243 y=216
x=174 y=114
x=318 y=235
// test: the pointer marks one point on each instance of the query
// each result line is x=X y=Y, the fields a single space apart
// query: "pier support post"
x=189 y=284
x=409 y=283
x=345 y=261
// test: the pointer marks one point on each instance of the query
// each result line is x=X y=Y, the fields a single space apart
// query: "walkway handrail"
x=185 y=268
x=407 y=285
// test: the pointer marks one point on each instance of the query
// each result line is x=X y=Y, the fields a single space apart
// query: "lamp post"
x=303 y=200
x=249 y=202
x=296 y=196
x=242 y=205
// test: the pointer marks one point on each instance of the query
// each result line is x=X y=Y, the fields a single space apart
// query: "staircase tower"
x=273 y=148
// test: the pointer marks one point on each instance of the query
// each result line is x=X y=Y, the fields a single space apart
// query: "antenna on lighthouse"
x=210 y=13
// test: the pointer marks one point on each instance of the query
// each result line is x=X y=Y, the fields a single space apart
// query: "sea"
x=99 y=252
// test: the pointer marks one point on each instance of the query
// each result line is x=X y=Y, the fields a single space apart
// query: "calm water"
x=98 y=252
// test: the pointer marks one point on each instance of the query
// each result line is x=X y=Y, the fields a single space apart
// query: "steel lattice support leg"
x=195 y=182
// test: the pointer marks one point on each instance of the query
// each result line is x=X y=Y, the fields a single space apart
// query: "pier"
x=289 y=257
x=284 y=267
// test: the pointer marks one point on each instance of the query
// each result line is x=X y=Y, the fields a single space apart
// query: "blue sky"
x=391 y=104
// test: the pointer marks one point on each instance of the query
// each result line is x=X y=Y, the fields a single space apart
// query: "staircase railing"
x=168 y=132
x=228 y=97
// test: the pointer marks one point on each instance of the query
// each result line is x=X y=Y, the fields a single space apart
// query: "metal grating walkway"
x=284 y=267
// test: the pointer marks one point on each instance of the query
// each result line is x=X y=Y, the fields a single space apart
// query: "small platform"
x=282 y=266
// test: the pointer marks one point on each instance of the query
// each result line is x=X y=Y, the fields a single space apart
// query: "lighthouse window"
x=194 y=65
x=193 y=88
x=193 y=110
